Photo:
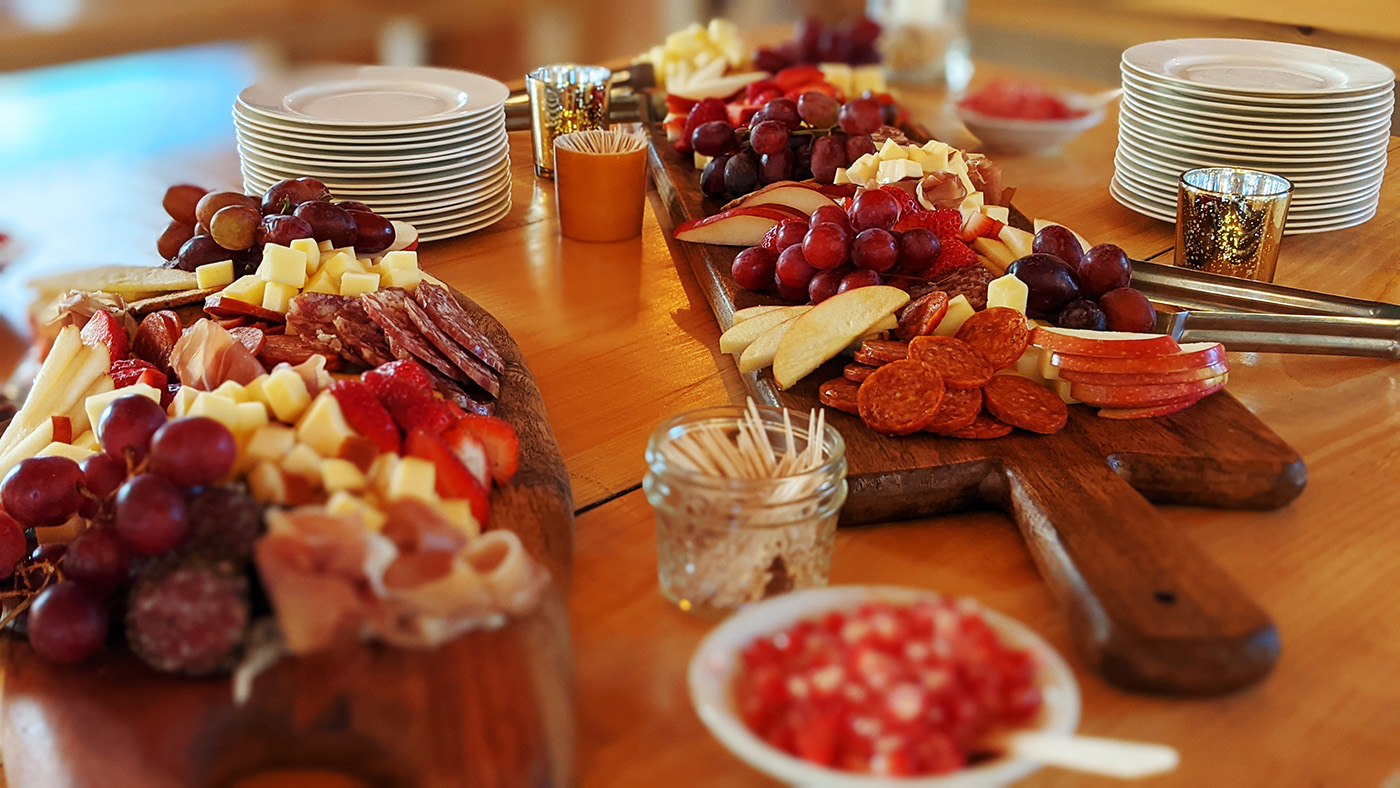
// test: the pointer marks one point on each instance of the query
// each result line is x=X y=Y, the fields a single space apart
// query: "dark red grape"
x=328 y=222
x=13 y=545
x=102 y=475
x=150 y=515
x=1058 y=241
x=199 y=250
x=1106 y=267
x=774 y=167
x=224 y=523
x=213 y=202
x=825 y=284
x=315 y=188
x=67 y=622
x=282 y=229
x=40 y=492
x=874 y=249
x=712 y=179
x=180 y=201
x=770 y=136
x=828 y=155
x=354 y=205
x=859 y=145
x=1127 y=309
x=47 y=553
x=818 y=109
x=861 y=116
x=284 y=196
x=126 y=425
x=788 y=293
x=802 y=165
x=861 y=277
x=740 y=174
x=874 y=208
x=1082 y=313
x=827 y=245
x=175 y=236
x=918 y=251
x=98 y=560
x=373 y=233
x=235 y=227
x=784 y=111
x=790 y=231
x=713 y=138
x=753 y=268
x=1051 y=283
x=831 y=214
x=193 y=451
x=792 y=268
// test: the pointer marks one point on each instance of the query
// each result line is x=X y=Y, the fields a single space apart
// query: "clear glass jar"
x=724 y=542
x=924 y=41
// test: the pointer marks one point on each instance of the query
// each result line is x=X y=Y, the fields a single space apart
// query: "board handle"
x=1149 y=611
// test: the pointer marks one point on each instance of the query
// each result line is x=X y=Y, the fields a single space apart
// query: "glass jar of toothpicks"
x=746 y=504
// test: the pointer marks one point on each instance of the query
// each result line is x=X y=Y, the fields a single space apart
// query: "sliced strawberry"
x=497 y=437
x=796 y=76
x=103 y=329
x=707 y=110
x=944 y=222
x=953 y=255
x=453 y=480
x=979 y=225
x=153 y=378
x=168 y=395
x=405 y=389
x=472 y=454
x=364 y=412
x=761 y=92
x=907 y=203
x=126 y=371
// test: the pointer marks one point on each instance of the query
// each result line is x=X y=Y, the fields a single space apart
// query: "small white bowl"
x=1016 y=136
x=713 y=667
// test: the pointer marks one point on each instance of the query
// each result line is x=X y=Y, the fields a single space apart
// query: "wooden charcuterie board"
x=490 y=709
x=1149 y=610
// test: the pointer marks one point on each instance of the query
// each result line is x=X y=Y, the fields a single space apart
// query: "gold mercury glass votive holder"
x=564 y=98
x=724 y=539
x=1230 y=221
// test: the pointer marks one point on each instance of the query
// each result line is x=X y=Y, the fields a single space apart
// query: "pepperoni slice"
x=959 y=409
x=901 y=397
x=1021 y=403
x=960 y=365
x=984 y=427
x=839 y=393
x=881 y=351
x=857 y=372
x=999 y=334
x=922 y=315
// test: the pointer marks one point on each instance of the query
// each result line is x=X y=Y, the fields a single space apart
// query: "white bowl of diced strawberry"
x=865 y=686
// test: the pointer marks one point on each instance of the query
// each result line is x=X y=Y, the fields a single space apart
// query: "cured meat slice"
x=959 y=409
x=221 y=306
x=386 y=309
x=970 y=282
x=999 y=334
x=960 y=365
x=359 y=335
x=901 y=397
x=156 y=338
x=449 y=316
x=1021 y=403
x=984 y=427
x=277 y=349
x=922 y=315
x=248 y=336
x=473 y=367
x=313 y=315
x=881 y=351
x=839 y=393
x=857 y=372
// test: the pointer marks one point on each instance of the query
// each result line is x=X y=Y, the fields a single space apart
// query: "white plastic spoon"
x=1110 y=757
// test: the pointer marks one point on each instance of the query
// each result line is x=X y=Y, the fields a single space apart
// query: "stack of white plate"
x=422 y=145
x=1319 y=118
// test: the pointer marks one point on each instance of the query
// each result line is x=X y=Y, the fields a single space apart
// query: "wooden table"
x=619 y=336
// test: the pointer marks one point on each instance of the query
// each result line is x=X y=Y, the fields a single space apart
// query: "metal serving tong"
x=1194 y=306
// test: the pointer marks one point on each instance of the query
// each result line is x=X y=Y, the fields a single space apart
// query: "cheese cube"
x=323 y=426
x=180 y=405
x=321 y=283
x=283 y=264
x=999 y=212
x=286 y=395
x=341 y=263
x=349 y=251
x=973 y=202
x=1028 y=365
x=1008 y=291
x=863 y=78
x=891 y=150
x=271 y=442
x=381 y=471
x=347 y=504
x=842 y=177
x=252 y=416
x=248 y=289
x=270 y=484
x=412 y=478
x=88 y=440
x=398 y=260
x=277 y=297
x=254 y=389
x=214 y=274
x=338 y=475
x=357 y=284
x=959 y=310
x=308 y=247
x=219 y=408
x=233 y=390
x=95 y=404
x=407 y=278
x=325 y=246
x=74 y=453
x=897 y=170
x=302 y=461
x=458 y=511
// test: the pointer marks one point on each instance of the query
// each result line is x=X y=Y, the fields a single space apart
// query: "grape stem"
x=50 y=572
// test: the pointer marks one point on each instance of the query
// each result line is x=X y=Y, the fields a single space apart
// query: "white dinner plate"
x=1284 y=123
x=427 y=173
x=475 y=124
x=371 y=159
x=1303 y=195
x=293 y=142
x=1252 y=131
x=374 y=96
x=1347 y=170
x=471 y=210
x=428 y=184
x=1297 y=209
x=1265 y=112
x=1142 y=124
x=1268 y=67
x=439 y=232
x=1360 y=153
x=1134 y=80
x=1157 y=211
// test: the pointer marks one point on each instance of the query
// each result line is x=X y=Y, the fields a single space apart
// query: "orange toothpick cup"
x=600 y=184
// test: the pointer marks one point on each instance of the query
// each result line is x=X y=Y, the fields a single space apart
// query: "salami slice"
x=999 y=334
x=960 y=365
x=361 y=336
x=922 y=315
x=984 y=427
x=385 y=308
x=881 y=351
x=276 y=349
x=473 y=367
x=1021 y=403
x=839 y=393
x=901 y=397
x=959 y=409
x=449 y=315
x=969 y=282
x=857 y=372
x=156 y=338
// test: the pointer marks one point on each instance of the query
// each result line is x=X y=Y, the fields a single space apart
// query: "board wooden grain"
x=491 y=709
x=1149 y=610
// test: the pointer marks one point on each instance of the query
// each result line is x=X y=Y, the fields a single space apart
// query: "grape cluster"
x=1078 y=289
x=786 y=139
x=814 y=42
x=151 y=494
x=208 y=227
x=838 y=250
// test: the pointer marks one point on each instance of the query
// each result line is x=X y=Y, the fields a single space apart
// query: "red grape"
x=789 y=293
x=47 y=553
x=1106 y=267
x=235 y=227
x=825 y=284
x=793 y=270
x=789 y=232
x=13 y=545
x=150 y=514
x=329 y=222
x=98 y=560
x=282 y=229
x=176 y=235
x=180 y=201
x=1051 y=283
x=102 y=475
x=373 y=233
x=874 y=249
x=827 y=245
x=67 y=622
x=1058 y=241
x=1082 y=313
x=740 y=174
x=828 y=155
x=354 y=205
x=284 y=196
x=754 y=267
x=770 y=136
x=918 y=251
x=818 y=109
x=41 y=492
x=831 y=214
x=126 y=425
x=861 y=116
x=713 y=138
x=315 y=188
x=784 y=111
x=874 y=208
x=774 y=167
x=193 y=451
x=213 y=202
x=859 y=145
x=1128 y=310
x=861 y=277
x=199 y=250
x=712 y=179
x=802 y=164
x=224 y=523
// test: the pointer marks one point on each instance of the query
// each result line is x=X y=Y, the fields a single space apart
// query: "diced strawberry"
x=817 y=87
x=761 y=92
x=168 y=395
x=979 y=225
x=498 y=438
x=679 y=105
x=153 y=378
x=405 y=389
x=741 y=114
x=795 y=76
x=472 y=454
x=126 y=371
x=953 y=255
x=944 y=222
x=907 y=203
x=364 y=412
x=703 y=112
x=453 y=479
x=103 y=329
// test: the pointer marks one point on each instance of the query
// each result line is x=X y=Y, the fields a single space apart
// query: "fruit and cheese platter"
x=287 y=505
x=973 y=357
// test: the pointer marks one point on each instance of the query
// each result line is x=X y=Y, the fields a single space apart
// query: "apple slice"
x=754 y=311
x=760 y=352
x=1143 y=396
x=1145 y=378
x=720 y=87
x=1124 y=414
x=828 y=327
x=997 y=255
x=742 y=226
x=1020 y=242
x=1111 y=344
x=1192 y=355
x=405 y=237
x=804 y=197
x=740 y=335
x=29 y=443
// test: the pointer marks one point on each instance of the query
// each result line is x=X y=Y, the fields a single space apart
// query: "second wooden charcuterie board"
x=1149 y=610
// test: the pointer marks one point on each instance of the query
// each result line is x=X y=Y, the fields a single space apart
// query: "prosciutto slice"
x=206 y=355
